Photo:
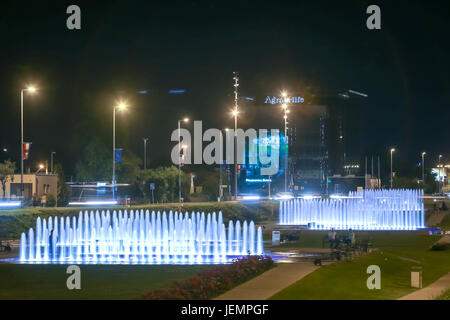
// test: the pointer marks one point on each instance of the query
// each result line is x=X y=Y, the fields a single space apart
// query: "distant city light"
x=177 y=91
x=251 y=197
x=284 y=197
x=8 y=204
x=121 y=106
x=92 y=203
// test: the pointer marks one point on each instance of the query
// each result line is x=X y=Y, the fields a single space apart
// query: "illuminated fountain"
x=362 y=210
x=138 y=237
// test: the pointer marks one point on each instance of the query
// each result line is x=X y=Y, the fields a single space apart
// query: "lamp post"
x=179 y=157
x=120 y=106
x=286 y=163
x=145 y=153
x=439 y=173
x=30 y=90
x=392 y=175
x=51 y=161
x=423 y=167
x=235 y=113
x=41 y=166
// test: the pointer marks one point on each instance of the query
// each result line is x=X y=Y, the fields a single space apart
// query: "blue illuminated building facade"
x=250 y=178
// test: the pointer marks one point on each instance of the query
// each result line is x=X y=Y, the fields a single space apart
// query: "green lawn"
x=398 y=252
x=22 y=281
x=445 y=295
x=445 y=223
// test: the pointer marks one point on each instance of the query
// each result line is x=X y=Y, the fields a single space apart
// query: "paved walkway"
x=431 y=292
x=270 y=282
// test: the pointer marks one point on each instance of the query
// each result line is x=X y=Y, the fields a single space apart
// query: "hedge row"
x=211 y=283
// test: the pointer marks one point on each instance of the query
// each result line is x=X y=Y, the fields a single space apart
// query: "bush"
x=51 y=201
x=440 y=247
x=210 y=283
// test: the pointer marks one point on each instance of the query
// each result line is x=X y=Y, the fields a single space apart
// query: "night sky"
x=305 y=46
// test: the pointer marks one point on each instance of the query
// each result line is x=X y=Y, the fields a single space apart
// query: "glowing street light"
x=40 y=167
x=121 y=106
x=31 y=90
x=392 y=176
x=184 y=147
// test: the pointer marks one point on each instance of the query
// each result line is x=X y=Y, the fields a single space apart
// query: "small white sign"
x=275 y=238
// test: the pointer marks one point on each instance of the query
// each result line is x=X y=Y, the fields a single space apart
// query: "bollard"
x=416 y=277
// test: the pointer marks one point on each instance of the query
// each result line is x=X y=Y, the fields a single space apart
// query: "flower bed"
x=210 y=283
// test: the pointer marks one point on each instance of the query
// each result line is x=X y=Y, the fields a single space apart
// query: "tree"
x=128 y=170
x=208 y=179
x=166 y=183
x=429 y=186
x=6 y=173
x=64 y=191
x=95 y=163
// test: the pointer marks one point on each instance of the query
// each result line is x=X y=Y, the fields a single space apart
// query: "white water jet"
x=135 y=237
x=397 y=209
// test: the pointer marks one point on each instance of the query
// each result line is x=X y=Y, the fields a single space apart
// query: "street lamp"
x=185 y=120
x=120 y=107
x=235 y=114
x=51 y=161
x=286 y=111
x=392 y=175
x=439 y=173
x=145 y=153
x=31 y=90
x=41 y=166
x=423 y=166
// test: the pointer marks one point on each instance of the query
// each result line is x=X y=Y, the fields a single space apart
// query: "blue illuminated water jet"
x=397 y=209
x=138 y=237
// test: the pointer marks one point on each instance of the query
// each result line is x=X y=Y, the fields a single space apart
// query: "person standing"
x=332 y=238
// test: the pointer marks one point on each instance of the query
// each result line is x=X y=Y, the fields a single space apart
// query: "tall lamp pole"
x=286 y=140
x=439 y=174
x=423 y=166
x=120 y=106
x=145 y=153
x=179 y=158
x=392 y=175
x=235 y=113
x=51 y=161
x=30 y=90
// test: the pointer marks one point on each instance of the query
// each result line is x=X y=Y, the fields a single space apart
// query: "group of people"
x=6 y=248
x=334 y=239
